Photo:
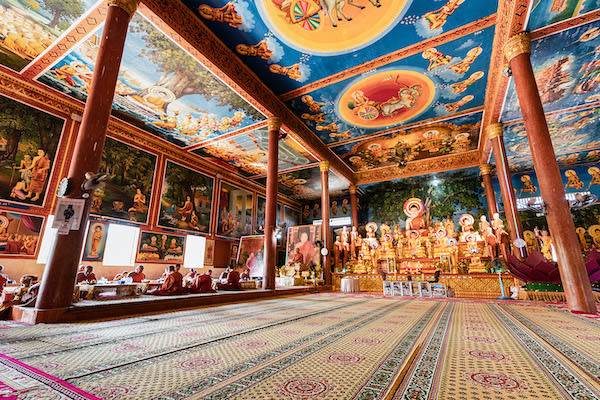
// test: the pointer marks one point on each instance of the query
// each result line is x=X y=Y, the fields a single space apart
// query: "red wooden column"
x=326 y=231
x=494 y=134
x=573 y=273
x=56 y=290
x=274 y=124
x=488 y=187
x=354 y=205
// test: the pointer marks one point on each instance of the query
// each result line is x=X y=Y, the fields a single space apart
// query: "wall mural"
x=547 y=12
x=29 y=27
x=444 y=194
x=128 y=189
x=186 y=199
x=157 y=247
x=306 y=183
x=339 y=208
x=566 y=70
x=19 y=233
x=251 y=255
x=573 y=133
x=235 y=211
x=29 y=139
x=437 y=82
x=248 y=152
x=452 y=136
x=159 y=84
x=261 y=205
x=95 y=241
x=291 y=216
x=290 y=44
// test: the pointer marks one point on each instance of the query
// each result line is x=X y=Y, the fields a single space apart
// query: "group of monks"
x=175 y=283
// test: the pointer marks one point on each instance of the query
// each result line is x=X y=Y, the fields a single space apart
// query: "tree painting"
x=63 y=10
x=128 y=189
x=186 y=199
x=28 y=142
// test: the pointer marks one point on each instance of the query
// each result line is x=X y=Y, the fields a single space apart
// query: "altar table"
x=350 y=285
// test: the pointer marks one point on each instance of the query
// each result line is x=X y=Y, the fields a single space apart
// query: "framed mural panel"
x=19 y=233
x=304 y=237
x=279 y=218
x=29 y=140
x=251 y=254
x=186 y=199
x=95 y=242
x=235 y=211
x=291 y=216
x=160 y=248
x=261 y=207
x=128 y=189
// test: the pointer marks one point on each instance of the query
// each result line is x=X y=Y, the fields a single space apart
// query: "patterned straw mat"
x=312 y=347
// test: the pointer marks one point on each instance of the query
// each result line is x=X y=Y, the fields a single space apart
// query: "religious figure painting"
x=209 y=252
x=29 y=140
x=291 y=216
x=159 y=84
x=128 y=189
x=547 y=12
x=19 y=233
x=251 y=255
x=306 y=183
x=235 y=211
x=95 y=242
x=186 y=199
x=28 y=28
x=304 y=238
x=279 y=214
x=160 y=247
x=261 y=204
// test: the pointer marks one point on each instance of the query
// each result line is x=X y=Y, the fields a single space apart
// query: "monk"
x=203 y=283
x=190 y=276
x=298 y=257
x=87 y=276
x=172 y=285
x=245 y=274
x=3 y=279
x=233 y=281
x=137 y=275
x=120 y=276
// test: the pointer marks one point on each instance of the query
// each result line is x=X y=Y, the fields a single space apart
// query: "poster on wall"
x=251 y=254
x=235 y=211
x=19 y=233
x=209 y=253
x=292 y=216
x=95 y=241
x=130 y=175
x=186 y=199
x=160 y=247
x=304 y=238
x=29 y=139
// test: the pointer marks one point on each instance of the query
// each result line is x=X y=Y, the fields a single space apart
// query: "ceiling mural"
x=451 y=136
x=29 y=27
x=306 y=183
x=292 y=43
x=247 y=152
x=573 y=133
x=566 y=65
x=547 y=12
x=172 y=94
x=437 y=82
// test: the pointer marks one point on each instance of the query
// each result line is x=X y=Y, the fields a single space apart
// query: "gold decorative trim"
x=352 y=189
x=494 y=130
x=273 y=124
x=324 y=166
x=485 y=169
x=516 y=45
x=129 y=6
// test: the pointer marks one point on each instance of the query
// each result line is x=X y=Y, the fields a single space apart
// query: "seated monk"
x=3 y=278
x=172 y=285
x=245 y=274
x=87 y=276
x=233 y=281
x=120 y=276
x=298 y=258
x=202 y=283
x=190 y=276
x=224 y=274
x=137 y=276
x=166 y=273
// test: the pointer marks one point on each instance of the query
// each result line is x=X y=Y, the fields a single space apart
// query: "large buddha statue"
x=414 y=209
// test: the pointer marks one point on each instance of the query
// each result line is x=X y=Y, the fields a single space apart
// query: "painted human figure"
x=581 y=235
x=353 y=242
x=39 y=172
x=139 y=202
x=187 y=208
x=96 y=238
x=25 y=168
x=547 y=248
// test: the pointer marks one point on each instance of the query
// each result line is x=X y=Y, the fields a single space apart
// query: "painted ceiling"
x=306 y=183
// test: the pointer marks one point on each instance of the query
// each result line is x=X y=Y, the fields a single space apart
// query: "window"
x=194 y=252
x=47 y=241
x=121 y=245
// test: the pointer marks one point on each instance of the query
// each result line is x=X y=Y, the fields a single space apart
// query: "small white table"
x=350 y=285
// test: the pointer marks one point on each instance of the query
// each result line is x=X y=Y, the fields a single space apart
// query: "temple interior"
x=200 y=200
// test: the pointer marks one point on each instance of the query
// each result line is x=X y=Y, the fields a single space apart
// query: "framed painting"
x=95 y=241
x=291 y=216
x=252 y=254
x=209 y=253
x=304 y=238
x=235 y=211
x=261 y=206
x=186 y=199
x=160 y=248
x=19 y=233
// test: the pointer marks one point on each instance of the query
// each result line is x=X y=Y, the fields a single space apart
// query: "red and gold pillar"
x=326 y=231
x=494 y=134
x=573 y=273
x=56 y=290
x=274 y=124
x=488 y=187
x=354 y=205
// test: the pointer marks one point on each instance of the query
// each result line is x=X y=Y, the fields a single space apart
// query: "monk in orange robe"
x=172 y=285
x=137 y=276
x=203 y=283
x=3 y=279
x=87 y=275
x=233 y=281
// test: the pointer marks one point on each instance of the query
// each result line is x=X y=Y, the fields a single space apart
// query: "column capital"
x=324 y=166
x=494 y=130
x=485 y=169
x=274 y=124
x=352 y=189
x=517 y=44
x=129 y=6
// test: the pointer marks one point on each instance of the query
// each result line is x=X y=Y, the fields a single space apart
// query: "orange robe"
x=233 y=282
x=3 y=281
x=82 y=276
x=202 y=284
x=137 y=278
x=172 y=285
